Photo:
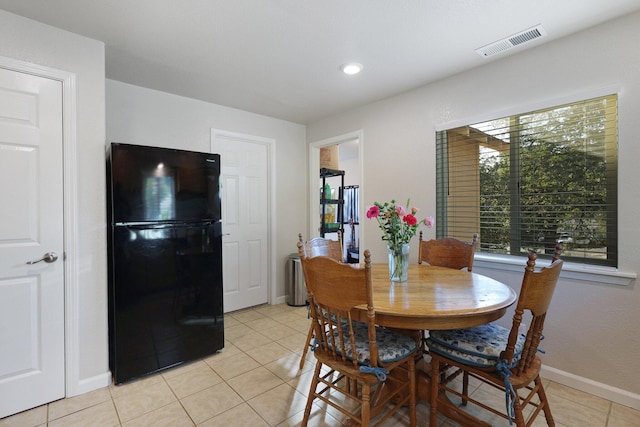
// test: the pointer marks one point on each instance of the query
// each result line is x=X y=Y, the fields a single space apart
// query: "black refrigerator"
x=165 y=258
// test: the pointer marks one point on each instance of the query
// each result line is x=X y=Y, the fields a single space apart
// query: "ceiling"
x=281 y=58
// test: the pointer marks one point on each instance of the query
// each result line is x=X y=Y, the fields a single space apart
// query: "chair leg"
x=465 y=387
x=517 y=411
x=542 y=395
x=365 y=411
x=307 y=345
x=412 y=391
x=435 y=379
x=312 y=394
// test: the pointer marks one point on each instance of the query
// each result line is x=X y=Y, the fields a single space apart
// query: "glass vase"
x=398 y=262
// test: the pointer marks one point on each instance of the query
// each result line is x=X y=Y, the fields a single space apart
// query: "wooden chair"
x=509 y=361
x=353 y=351
x=319 y=247
x=448 y=252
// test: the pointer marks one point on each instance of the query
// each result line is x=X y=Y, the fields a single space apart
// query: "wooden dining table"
x=435 y=298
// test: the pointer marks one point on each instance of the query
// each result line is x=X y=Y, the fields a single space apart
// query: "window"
x=527 y=181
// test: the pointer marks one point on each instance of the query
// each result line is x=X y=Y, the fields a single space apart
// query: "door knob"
x=48 y=257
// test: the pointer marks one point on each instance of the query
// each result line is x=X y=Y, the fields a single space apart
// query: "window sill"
x=575 y=271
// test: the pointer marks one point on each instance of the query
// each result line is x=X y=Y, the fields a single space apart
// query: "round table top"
x=438 y=298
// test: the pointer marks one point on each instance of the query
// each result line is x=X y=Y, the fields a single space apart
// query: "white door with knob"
x=31 y=242
x=244 y=170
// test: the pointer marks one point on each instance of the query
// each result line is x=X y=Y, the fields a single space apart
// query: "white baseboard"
x=605 y=391
x=93 y=383
x=281 y=300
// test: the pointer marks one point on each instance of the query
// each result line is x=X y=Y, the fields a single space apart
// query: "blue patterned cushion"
x=392 y=345
x=478 y=346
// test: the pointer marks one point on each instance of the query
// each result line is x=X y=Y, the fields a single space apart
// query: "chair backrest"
x=320 y=246
x=535 y=297
x=448 y=252
x=332 y=302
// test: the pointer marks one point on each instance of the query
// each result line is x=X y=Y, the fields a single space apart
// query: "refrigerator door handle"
x=159 y=226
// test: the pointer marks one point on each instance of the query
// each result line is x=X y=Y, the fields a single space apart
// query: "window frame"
x=575 y=270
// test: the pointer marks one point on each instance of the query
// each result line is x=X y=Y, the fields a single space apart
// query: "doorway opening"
x=346 y=157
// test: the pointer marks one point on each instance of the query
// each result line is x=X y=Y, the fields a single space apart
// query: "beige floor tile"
x=250 y=341
x=294 y=342
x=278 y=404
x=193 y=381
x=262 y=324
x=172 y=415
x=302 y=382
x=541 y=421
x=572 y=413
x=64 y=407
x=268 y=353
x=253 y=383
x=232 y=333
x=317 y=418
x=134 y=405
x=301 y=326
x=230 y=321
x=588 y=400
x=278 y=332
x=301 y=311
x=210 y=402
x=233 y=366
x=101 y=415
x=239 y=416
x=272 y=310
x=135 y=386
x=229 y=350
x=623 y=416
x=181 y=369
x=288 y=318
x=344 y=402
x=31 y=418
x=287 y=367
x=245 y=316
x=309 y=361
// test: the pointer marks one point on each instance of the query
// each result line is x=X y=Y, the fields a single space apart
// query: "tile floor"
x=255 y=382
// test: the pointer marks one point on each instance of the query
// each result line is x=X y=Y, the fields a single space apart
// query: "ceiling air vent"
x=512 y=41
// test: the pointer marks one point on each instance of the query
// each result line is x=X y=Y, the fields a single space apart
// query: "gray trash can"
x=296 y=289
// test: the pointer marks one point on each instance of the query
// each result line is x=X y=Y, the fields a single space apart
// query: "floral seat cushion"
x=478 y=346
x=392 y=345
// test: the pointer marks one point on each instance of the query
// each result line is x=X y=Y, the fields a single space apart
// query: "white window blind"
x=527 y=181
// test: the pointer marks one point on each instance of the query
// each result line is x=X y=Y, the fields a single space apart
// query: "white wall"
x=32 y=42
x=592 y=329
x=141 y=116
x=136 y=115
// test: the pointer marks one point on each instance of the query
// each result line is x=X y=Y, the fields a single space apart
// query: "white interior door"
x=245 y=219
x=31 y=207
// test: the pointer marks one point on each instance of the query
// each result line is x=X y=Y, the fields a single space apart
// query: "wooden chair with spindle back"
x=447 y=252
x=354 y=352
x=501 y=357
x=319 y=246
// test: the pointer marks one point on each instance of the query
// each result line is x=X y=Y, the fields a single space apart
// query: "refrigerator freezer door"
x=150 y=184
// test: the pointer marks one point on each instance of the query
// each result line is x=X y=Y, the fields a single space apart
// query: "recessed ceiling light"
x=351 y=68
